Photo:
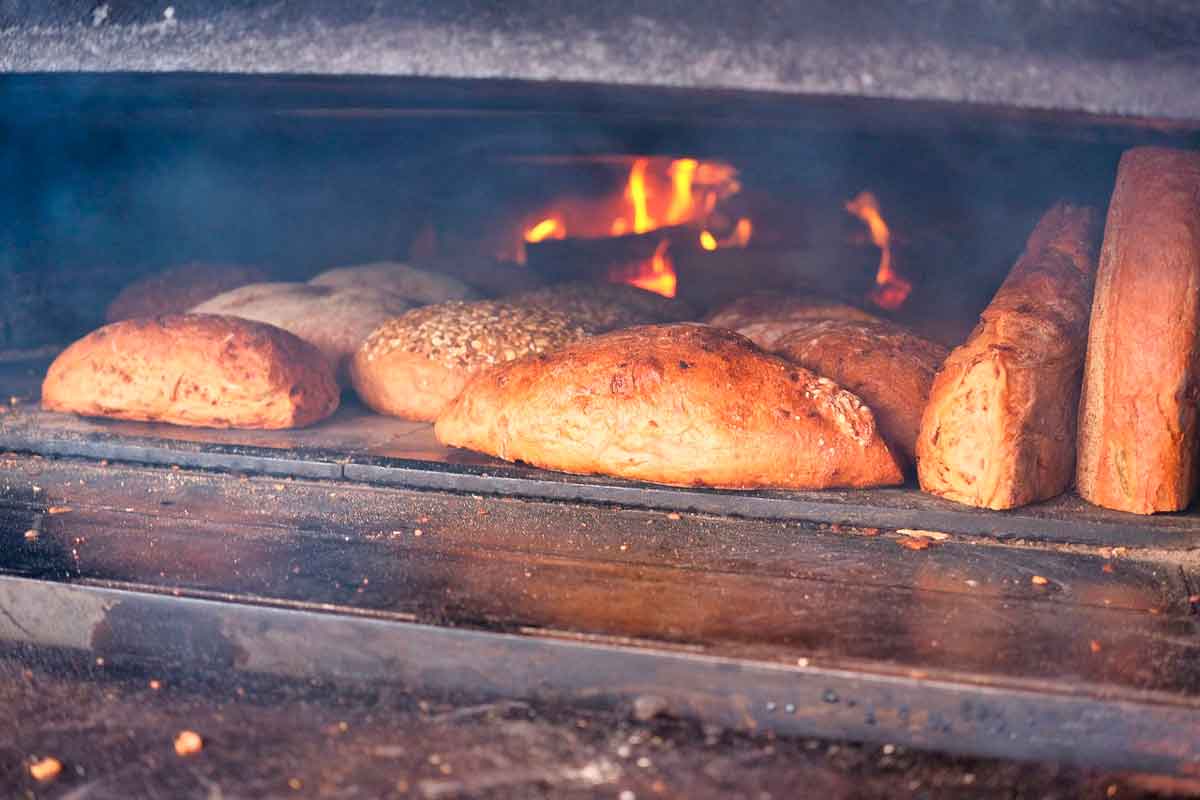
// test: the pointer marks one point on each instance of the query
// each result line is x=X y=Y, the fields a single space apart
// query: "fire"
x=658 y=193
x=891 y=290
x=742 y=232
x=636 y=192
x=549 y=228
x=660 y=277
x=682 y=173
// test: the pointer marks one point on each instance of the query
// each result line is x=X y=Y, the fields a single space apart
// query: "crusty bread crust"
x=1137 y=429
x=418 y=286
x=334 y=319
x=206 y=371
x=687 y=405
x=415 y=364
x=888 y=366
x=766 y=317
x=175 y=290
x=999 y=428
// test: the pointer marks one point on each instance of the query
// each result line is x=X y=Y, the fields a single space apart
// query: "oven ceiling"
x=1121 y=57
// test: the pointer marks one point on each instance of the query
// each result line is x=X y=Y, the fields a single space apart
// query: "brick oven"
x=895 y=155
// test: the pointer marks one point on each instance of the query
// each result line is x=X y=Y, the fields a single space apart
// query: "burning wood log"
x=708 y=278
x=491 y=276
x=559 y=260
x=711 y=278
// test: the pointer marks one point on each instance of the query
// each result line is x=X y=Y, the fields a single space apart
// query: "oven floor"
x=957 y=644
x=1059 y=632
x=114 y=736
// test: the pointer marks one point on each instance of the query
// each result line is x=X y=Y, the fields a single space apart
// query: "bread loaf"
x=766 y=317
x=999 y=429
x=888 y=366
x=687 y=405
x=208 y=371
x=175 y=290
x=415 y=364
x=1137 y=430
x=417 y=286
x=335 y=320
x=606 y=306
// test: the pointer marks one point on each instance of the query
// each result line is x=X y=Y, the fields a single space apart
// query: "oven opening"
x=907 y=213
x=335 y=537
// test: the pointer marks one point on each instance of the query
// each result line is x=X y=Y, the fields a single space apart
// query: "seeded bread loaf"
x=415 y=364
x=175 y=290
x=335 y=320
x=207 y=371
x=417 y=286
x=686 y=405
x=999 y=428
x=765 y=317
x=607 y=306
x=888 y=366
x=1137 y=427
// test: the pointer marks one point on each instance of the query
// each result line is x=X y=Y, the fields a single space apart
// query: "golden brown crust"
x=415 y=364
x=888 y=366
x=606 y=306
x=206 y=371
x=417 y=286
x=336 y=320
x=175 y=290
x=1137 y=429
x=999 y=429
x=676 y=404
x=766 y=317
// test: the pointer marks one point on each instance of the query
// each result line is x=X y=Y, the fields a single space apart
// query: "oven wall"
x=120 y=178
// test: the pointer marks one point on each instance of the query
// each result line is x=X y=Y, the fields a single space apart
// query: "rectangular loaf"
x=999 y=428
x=1137 y=428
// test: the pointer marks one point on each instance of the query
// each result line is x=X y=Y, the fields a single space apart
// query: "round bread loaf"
x=686 y=405
x=765 y=318
x=417 y=286
x=415 y=364
x=333 y=319
x=888 y=366
x=175 y=290
x=606 y=306
x=199 y=370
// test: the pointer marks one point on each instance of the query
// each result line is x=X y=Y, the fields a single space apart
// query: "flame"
x=682 y=173
x=660 y=277
x=740 y=237
x=658 y=193
x=891 y=290
x=742 y=232
x=549 y=228
x=636 y=192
